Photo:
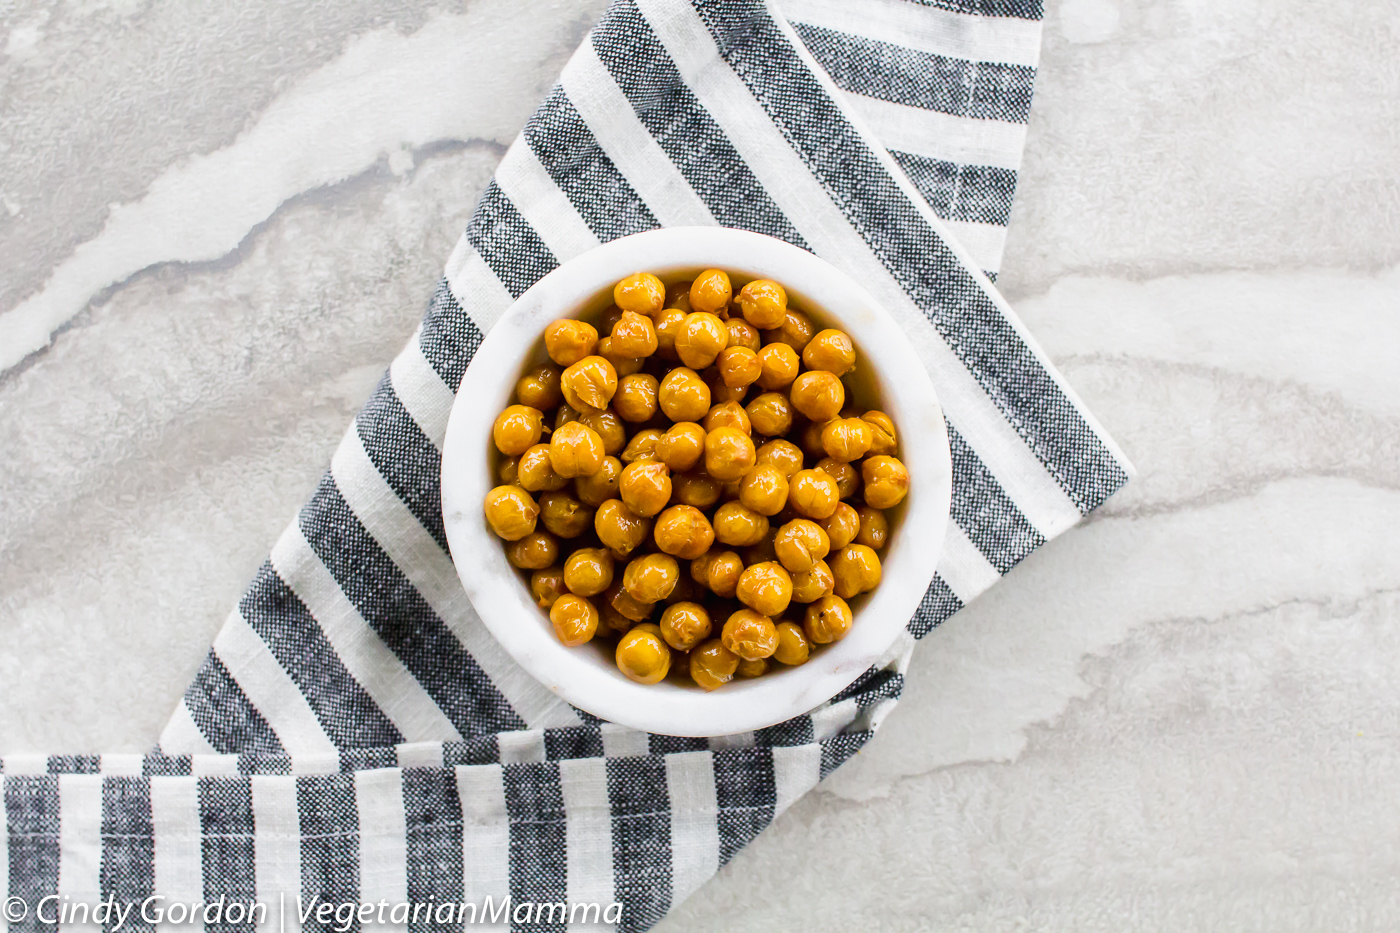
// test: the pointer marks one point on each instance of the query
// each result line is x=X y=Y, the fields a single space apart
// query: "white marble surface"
x=1183 y=715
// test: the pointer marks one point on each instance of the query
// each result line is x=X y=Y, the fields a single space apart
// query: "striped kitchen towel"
x=355 y=736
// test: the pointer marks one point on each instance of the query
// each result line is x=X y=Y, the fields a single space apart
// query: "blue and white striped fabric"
x=356 y=735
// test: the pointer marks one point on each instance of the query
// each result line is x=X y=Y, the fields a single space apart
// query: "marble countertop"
x=1183 y=714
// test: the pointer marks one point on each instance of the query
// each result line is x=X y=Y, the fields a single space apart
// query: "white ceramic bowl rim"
x=584 y=676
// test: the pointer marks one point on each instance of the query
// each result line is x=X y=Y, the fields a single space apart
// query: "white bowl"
x=586 y=676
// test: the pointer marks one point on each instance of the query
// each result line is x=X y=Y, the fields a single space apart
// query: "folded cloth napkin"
x=356 y=736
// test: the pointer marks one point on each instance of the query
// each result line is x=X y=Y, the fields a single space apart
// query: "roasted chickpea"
x=719 y=392
x=684 y=625
x=563 y=416
x=818 y=395
x=563 y=515
x=846 y=439
x=729 y=454
x=883 y=437
x=811 y=440
x=874 y=528
x=668 y=324
x=830 y=350
x=635 y=398
x=645 y=486
x=738 y=525
x=886 y=481
x=576 y=450
x=609 y=428
x=743 y=334
x=535 y=472
x=842 y=525
x=814 y=584
x=813 y=494
x=589 y=384
x=711 y=291
x=793 y=647
x=539 y=388
x=651 y=577
x=727 y=415
x=682 y=446
x=634 y=335
x=750 y=635
x=696 y=488
x=795 y=331
x=770 y=414
x=643 y=656
x=613 y=623
x=765 y=588
x=547 y=586
x=684 y=532
x=575 y=619
x=779 y=366
x=642 y=446
x=751 y=669
x=764 y=489
x=712 y=665
x=847 y=479
x=517 y=429
x=567 y=341
x=619 y=528
x=785 y=455
x=626 y=605
x=827 y=620
x=509 y=471
x=622 y=364
x=856 y=569
x=683 y=395
x=800 y=544
x=640 y=293
x=763 y=303
x=588 y=571
x=738 y=366
x=535 y=551
x=601 y=486
x=718 y=571
x=511 y=512
x=700 y=340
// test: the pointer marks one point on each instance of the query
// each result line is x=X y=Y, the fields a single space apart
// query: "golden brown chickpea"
x=719 y=392
x=886 y=481
x=856 y=569
x=684 y=625
x=569 y=341
x=684 y=532
x=830 y=350
x=743 y=334
x=682 y=446
x=883 y=438
x=827 y=620
x=700 y=339
x=563 y=515
x=683 y=395
x=729 y=454
x=712 y=665
x=814 y=584
x=535 y=551
x=783 y=454
x=588 y=571
x=719 y=572
x=811 y=440
x=634 y=610
x=576 y=450
x=846 y=439
x=763 y=303
x=575 y=619
x=874 y=528
x=651 y=577
x=634 y=335
x=517 y=429
x=668 y=324
x=601 y=486
x=539 y=388
x=738 y=525
x=643 y=656
x=635 y=398
x=619 y=528
x=764 y=489
x=770 y=414
x=727 y=415
x=800 y=544
x=738 y=366
x=547 y=586
x=711 y=291
x=795 y=331
x=750 y=635
x=751 y=669
x=813 y=494
x=847 y=479
x=695 y=488
x=589 y=384
x=841 y=526
x=793 y=647
x=509 y=471
x=511 y=512
x=614 y=623
x=818 y=395
x=642 y=446
x=645 y=486
x=779 y=367
x=563 y=416
x=641 y=293
x=765 y=588
x=609 y=428
x=622 y=364
x=535 y=471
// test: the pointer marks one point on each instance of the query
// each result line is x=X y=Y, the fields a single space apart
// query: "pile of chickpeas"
x=683 y=435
